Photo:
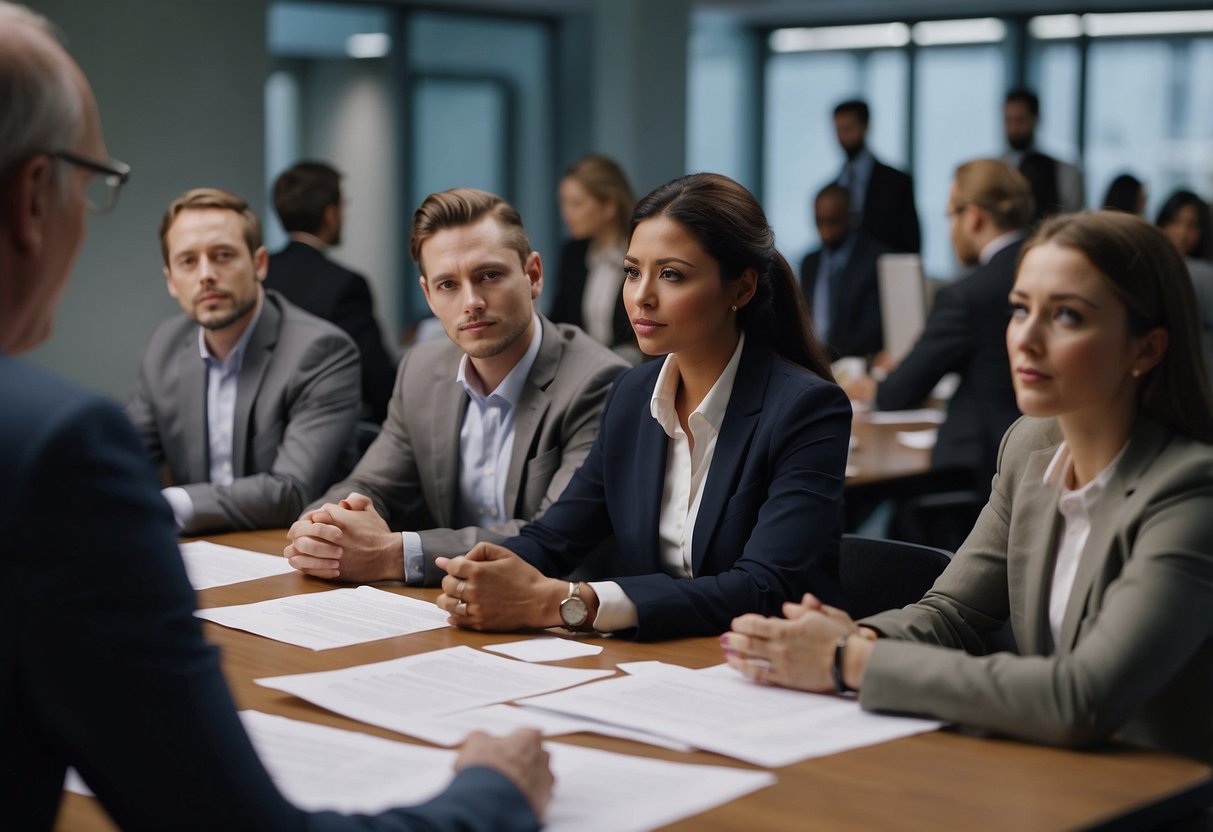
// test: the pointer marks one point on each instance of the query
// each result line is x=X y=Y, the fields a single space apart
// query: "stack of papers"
x=404 y=694
x=338 y=618
x=317 y=767
x=716 y=709
x=209 y=564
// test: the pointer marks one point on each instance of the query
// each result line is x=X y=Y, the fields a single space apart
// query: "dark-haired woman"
x=718 y=471
x=1097 y=542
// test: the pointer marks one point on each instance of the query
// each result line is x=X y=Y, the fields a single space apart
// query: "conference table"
x=938 y=780
x=878 y=455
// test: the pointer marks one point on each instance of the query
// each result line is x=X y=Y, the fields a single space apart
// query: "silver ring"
x=459 y=588
x=461 y=608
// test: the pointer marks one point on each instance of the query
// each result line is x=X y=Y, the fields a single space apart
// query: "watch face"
x=573 y=612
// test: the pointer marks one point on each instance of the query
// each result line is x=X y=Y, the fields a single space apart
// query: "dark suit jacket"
x=1136 y=650
x=411 y=470
x=769 y=520
x=104 y=665
x=855 y=324
x=966 y=334
x=889 y=213
x=296 y=407
x=570 y=286
x=316 y=284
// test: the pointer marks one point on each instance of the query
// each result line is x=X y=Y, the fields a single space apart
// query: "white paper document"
x=546 y=649
x=337 y=618
x=318 y=767
x=906 y=417
x=499 y=720
x=401 y=694
x=921 y=440
x=718 y=710
x=209 y=564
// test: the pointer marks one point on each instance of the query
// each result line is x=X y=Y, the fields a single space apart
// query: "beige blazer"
x=1136 y=651
x=411 y=470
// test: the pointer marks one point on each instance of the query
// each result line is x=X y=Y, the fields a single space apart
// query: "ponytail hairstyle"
x=728 y=223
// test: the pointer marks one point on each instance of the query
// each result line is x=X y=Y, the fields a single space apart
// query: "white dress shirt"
x=222 y=380
x=603 y=283
x=686 y=471
x=486 y=447
x=1074 y=505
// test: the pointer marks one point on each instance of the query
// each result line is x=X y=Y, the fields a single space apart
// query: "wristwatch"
x=574 y=613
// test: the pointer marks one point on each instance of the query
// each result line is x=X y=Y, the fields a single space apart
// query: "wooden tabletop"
x=937 y=780
x=878 y=456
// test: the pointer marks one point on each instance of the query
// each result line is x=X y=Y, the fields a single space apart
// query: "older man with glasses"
x=104 y=665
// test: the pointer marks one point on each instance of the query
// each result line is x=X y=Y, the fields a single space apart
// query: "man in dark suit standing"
x=1056 y=185
x=990 y=206
x=307 y=197
x=839 y=279
x=882 y=198
x=105 y=666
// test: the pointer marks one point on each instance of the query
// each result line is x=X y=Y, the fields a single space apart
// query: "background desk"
x=931 y=781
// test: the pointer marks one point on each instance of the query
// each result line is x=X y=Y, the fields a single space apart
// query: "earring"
x=1136 y=373
x=733 y=307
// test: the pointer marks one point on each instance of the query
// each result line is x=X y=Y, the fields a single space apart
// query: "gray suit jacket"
x=411 y=470
x=297 y=403
x=1136 y=651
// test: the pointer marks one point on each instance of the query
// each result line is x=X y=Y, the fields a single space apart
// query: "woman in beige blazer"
x=1097 y=541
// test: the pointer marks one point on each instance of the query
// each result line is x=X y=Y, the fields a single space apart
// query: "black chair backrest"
x=879 y=575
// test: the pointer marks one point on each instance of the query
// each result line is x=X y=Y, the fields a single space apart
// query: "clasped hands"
x=797 y=651
x=347 y=540
x=491 y=588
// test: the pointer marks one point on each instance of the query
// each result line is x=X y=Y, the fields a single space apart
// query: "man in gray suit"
x=484 y=430
x=248 y=401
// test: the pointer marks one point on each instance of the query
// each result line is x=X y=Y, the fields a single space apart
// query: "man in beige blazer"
x=484 y=429
x=1135 y=656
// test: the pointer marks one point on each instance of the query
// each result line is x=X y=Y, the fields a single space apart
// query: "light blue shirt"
x=486 y=447
x=833 y=261
x=856 y=174
x=222 y=379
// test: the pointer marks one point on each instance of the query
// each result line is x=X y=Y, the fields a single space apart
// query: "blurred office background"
x=406 y=98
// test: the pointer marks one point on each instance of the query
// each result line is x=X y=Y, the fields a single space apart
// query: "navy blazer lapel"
x=740 y=421
x=257 y=355
x=652 y=451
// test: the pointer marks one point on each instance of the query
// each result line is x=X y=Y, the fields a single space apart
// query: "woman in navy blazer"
x=719 y=472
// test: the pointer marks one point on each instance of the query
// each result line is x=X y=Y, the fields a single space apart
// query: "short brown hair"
x=459 y=207
x=1150 y=277
x=202 y=198
x=998 y=189
x=303 y=192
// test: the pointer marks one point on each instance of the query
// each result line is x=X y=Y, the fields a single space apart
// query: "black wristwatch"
x=840 y=684
x=574 y=614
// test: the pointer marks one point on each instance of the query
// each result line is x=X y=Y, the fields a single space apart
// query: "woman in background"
x=596 y=205
x=1127 y=193
x=1097 y=541
x=1184 y=218
x=718 y=472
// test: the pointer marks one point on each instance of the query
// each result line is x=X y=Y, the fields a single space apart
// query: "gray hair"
x=43 y=110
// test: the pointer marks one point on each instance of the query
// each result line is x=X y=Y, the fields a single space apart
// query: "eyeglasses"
x=101 y=192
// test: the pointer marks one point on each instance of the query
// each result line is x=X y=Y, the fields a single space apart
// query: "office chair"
x=880 y=575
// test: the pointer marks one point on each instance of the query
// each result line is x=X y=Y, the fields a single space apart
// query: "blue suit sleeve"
x=114 y=677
